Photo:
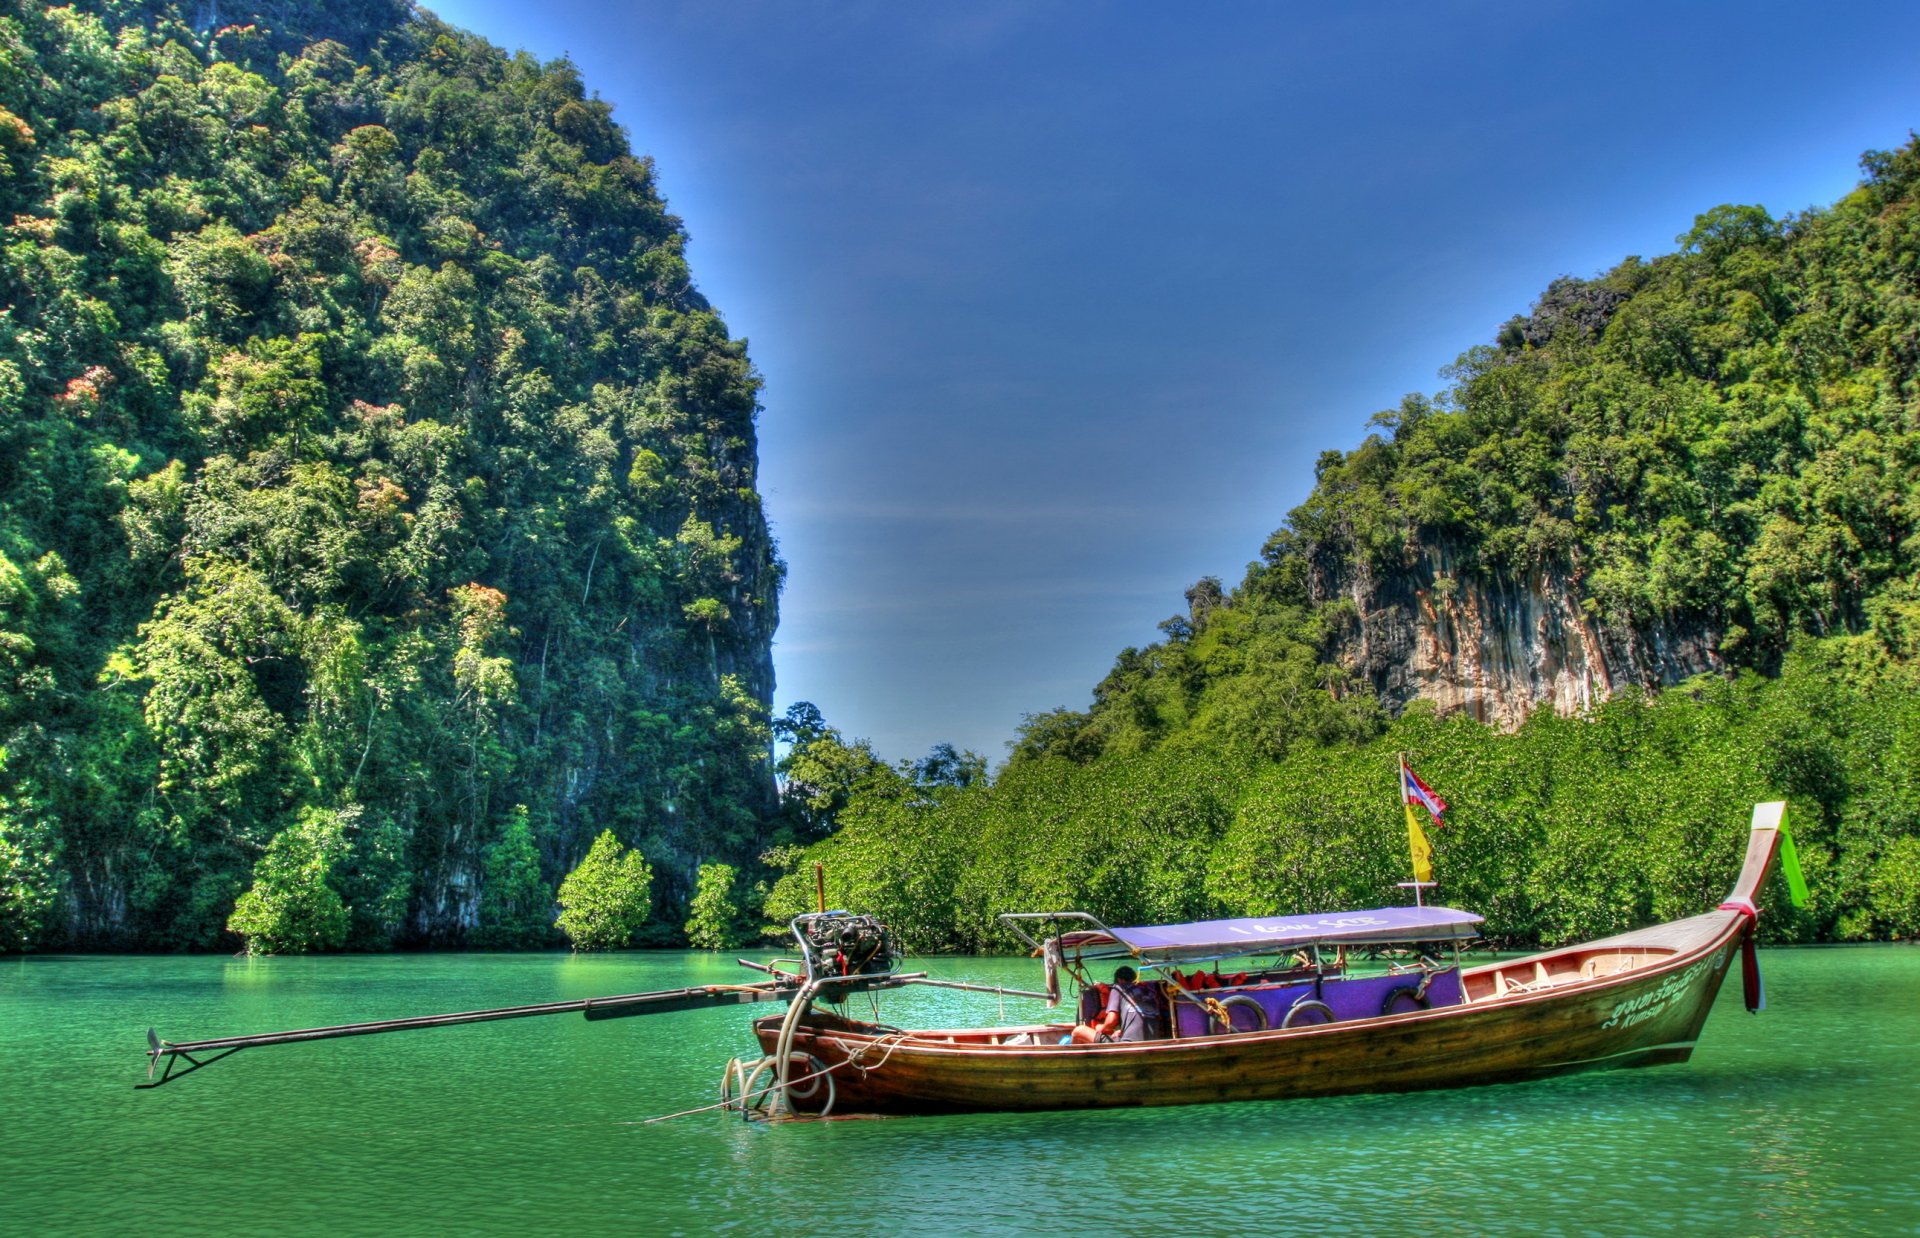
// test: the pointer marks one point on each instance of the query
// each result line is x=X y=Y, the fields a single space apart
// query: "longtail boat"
x=1636 y=999
x=1309 y=1021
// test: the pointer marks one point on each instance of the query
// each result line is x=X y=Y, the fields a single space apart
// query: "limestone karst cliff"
x=379 y=517
x=1499 y=648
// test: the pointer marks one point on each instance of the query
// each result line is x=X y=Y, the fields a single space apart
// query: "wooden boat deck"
x=1595 y=960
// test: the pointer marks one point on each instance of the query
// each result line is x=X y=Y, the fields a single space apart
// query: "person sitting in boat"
x=1132 y=1012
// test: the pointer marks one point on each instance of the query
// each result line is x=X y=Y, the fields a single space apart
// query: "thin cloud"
x=975 y=513
x=998 y=593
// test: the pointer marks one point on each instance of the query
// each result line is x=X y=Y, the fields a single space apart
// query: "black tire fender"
x=1409 y=991
x=1241 y=1001
x=1308 y=1006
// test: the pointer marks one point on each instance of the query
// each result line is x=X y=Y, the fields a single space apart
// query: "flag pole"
x=1415 y=839
x=1400 y=789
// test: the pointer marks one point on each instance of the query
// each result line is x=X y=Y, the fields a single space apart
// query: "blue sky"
x=1057 y=304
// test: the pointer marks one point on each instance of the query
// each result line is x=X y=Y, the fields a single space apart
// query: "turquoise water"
x=1804 y=1120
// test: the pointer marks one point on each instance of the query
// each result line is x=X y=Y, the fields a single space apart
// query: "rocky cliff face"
x=1497 y=648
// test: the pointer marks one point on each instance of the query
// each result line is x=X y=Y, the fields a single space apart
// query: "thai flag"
x=1418 y=792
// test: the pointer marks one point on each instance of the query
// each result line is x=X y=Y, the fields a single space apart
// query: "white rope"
x=855 y=1057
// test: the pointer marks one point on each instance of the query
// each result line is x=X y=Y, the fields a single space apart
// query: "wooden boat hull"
x=1639 y=999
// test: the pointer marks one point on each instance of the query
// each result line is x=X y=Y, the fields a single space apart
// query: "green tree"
x=27 y=888
x=820 y=770
x=292 y=906
x=713 y=918
x=1895 y=889
x=605 y=900
x=516 y=904
x=373 y=878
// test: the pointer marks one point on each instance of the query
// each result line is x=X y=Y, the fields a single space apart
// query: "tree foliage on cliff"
x=365 y=450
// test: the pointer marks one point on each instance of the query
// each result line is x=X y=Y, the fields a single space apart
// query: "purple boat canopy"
x=1258 y=934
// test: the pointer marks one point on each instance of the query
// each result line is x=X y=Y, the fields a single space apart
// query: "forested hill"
x=1701 y=469
x=373 y=479
x=1680 y=466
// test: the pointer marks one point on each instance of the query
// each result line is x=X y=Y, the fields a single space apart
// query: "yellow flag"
x=1417 y=843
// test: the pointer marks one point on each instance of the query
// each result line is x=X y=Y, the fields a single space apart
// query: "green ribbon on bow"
x=1790 y=864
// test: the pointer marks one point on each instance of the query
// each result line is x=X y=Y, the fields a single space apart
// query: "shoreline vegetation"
x=1569 y=828
x=382 y=563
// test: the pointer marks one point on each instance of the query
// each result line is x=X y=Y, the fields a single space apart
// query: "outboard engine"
x=839 y=943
